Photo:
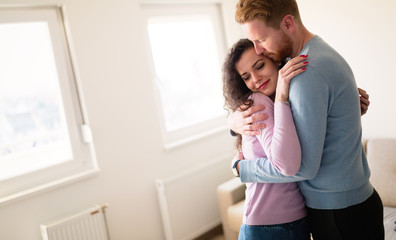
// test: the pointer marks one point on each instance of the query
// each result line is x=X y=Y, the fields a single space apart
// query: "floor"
x=214 y=234
x=218 y=237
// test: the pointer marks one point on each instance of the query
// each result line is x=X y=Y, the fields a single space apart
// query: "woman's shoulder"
x=260 y=99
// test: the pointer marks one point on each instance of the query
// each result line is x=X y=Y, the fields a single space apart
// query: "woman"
x=271 y=211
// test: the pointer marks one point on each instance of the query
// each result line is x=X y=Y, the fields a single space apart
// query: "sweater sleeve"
x=279 y=139
x=309 y=100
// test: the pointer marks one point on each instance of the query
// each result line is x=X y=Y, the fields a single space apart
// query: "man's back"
x=326 y=111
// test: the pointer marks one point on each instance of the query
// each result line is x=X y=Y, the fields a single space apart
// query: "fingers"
x=254 y=119
x=250 y=125
x=362 y=91
x=248 y=116
x=364 y=101
x=297 y=71
x=363 y=109
x=253 y=129
x=296 y=62
x=364 y=105
x=253 y=109
x=259 y=117
x=363 y=94
x=294 y=67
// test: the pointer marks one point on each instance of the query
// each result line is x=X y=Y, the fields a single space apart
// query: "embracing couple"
x=297 y=120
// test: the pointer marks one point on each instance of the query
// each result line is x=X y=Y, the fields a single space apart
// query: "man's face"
x=269 y=41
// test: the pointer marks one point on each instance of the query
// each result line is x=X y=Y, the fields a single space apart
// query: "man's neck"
x=302 y=37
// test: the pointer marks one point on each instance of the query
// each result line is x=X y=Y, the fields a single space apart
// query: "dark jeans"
x=297 y=230
x=363 y=221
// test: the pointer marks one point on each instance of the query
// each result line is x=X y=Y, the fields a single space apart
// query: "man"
x=334 y=174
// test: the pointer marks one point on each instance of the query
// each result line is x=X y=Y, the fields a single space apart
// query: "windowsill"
x=47 y=187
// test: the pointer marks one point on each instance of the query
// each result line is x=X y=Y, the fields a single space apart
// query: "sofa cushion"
x=389 y=222
x=235 y=215
x=381 y=156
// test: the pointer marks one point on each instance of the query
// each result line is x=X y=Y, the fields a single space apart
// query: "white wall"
x=111 y=50
x=363 y=32
x=110 y=47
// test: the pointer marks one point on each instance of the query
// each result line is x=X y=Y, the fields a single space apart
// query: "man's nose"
x=259 y=49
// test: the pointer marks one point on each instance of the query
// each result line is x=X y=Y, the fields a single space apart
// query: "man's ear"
x=288 y=23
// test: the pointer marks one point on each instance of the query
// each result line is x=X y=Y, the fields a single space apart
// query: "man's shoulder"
x=309 y=89
x=311 y=80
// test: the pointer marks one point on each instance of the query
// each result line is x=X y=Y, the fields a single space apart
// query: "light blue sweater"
x=334 y=173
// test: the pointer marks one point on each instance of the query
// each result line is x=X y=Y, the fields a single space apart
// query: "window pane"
x=32 y=120
x=188 y=70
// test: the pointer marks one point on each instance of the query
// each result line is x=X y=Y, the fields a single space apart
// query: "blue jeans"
x=297 y=230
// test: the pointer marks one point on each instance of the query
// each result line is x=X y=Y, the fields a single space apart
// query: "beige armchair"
x=231 y=197
x=381 y=155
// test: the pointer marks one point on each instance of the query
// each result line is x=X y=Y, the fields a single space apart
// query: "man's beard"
x=284 y=50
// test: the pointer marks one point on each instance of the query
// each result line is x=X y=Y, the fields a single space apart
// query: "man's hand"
x=364 y=101
x=243 y=122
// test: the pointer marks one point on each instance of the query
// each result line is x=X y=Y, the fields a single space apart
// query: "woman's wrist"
x=283 y=101
x=282 y=95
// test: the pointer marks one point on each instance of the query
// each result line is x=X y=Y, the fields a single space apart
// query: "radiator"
x=188 y=200
x=89 y=224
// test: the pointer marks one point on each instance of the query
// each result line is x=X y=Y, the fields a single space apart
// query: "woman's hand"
x=291 y=69
x=364 y=101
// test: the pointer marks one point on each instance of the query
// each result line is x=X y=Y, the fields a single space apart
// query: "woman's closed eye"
x=260 y=66
x=245 y=77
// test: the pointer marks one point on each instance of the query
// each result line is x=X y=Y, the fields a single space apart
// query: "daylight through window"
x=187 y=47
x=42 y=144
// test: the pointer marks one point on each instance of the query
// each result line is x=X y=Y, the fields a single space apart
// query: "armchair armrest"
x=228 y=194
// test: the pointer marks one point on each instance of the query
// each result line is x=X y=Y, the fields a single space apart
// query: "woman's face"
x=260 y=73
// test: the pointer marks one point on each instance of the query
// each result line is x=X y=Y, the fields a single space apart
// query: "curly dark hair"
x=236 y=93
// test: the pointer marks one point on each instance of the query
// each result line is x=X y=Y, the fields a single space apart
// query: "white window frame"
x=84 y=163
x=186 y=135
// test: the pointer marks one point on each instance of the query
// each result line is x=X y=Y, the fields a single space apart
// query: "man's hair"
x=270 y=12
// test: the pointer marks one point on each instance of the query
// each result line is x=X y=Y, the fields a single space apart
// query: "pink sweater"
x=274 y=203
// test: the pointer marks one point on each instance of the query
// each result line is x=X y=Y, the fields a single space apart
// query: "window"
x=45 y=138
x=187 y=48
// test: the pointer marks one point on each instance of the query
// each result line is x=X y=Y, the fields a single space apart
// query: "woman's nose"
x=256 y=77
